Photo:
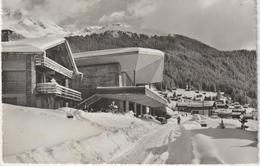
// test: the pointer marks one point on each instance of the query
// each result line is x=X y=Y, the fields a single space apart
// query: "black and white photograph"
x=129 y=82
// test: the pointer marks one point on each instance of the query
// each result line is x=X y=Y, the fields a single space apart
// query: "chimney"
x=5 y=35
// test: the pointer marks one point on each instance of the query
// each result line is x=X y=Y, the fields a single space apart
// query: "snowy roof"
x=196 y=104
x=37 y=45
x=19 y=48
x=119 y=51
x=141 y=95
x=32 y=44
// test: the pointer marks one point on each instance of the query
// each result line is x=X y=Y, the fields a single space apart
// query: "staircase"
x=88 y=101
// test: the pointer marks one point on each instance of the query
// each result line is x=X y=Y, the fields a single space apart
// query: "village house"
x=39 y=72
x=122 y=75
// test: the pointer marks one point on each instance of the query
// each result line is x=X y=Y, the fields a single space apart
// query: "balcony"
x=58 y=90
x=137 y=94
x=47 y=62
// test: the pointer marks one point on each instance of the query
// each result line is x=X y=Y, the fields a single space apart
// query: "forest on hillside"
x=187 y=61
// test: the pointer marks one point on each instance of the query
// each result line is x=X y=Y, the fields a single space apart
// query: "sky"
x=223 y=24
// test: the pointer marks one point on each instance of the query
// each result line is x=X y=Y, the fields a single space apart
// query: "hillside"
x=187 y=61
x=25 y=25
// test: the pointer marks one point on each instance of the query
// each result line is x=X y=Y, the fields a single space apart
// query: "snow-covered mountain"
x=22 y=23
x=115 y=27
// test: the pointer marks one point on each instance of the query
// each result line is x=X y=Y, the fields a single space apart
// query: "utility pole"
x=134 y=79
x=245 y=83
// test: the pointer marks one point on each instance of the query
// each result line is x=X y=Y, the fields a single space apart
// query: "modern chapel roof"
x=119 y=51
x=144 y=65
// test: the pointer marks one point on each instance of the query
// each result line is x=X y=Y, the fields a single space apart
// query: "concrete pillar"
x=67 y=85
x=126 y=106
x=134 y=79
x=148 y=110
x=141 y=110
x=135 y=108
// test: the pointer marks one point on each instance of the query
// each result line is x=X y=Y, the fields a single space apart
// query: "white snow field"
x=32 y=135
x=213 y=145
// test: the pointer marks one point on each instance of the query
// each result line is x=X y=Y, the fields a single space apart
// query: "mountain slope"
x=187 y=61
x=88 y=30
x=22 y=23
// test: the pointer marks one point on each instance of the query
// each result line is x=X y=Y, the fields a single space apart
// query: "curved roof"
x=147 y=63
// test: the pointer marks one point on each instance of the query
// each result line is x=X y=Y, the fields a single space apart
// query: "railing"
x=62 y=91
x=88 y=101
x=47 y=62
x=153 y=94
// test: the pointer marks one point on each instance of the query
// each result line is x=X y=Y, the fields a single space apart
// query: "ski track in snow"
x=154 y=148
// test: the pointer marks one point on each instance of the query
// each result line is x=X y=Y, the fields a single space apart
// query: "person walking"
x=113 y=107
x=178 y=120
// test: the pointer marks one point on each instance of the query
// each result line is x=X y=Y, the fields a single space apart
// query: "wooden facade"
x=38 y=78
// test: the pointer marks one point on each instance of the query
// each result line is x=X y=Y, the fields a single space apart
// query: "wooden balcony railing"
x=58 y=90
x=47 y=62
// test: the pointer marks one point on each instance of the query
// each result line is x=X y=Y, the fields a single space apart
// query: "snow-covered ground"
x=32 y=135
x=192 y=93
x=213 y=145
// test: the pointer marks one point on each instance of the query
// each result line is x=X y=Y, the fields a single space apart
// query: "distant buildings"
x=197 y=107
x=201 y=102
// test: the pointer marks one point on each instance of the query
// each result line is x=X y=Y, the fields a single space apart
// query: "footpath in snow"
x=189 y=143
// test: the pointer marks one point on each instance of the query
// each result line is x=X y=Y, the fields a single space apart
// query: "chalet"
x=39 y=72
x=121 y=75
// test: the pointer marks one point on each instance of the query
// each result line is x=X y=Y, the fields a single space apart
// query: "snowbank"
x=205 y=151
x=213 y=145
x=26 y=128
x=33 y=135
